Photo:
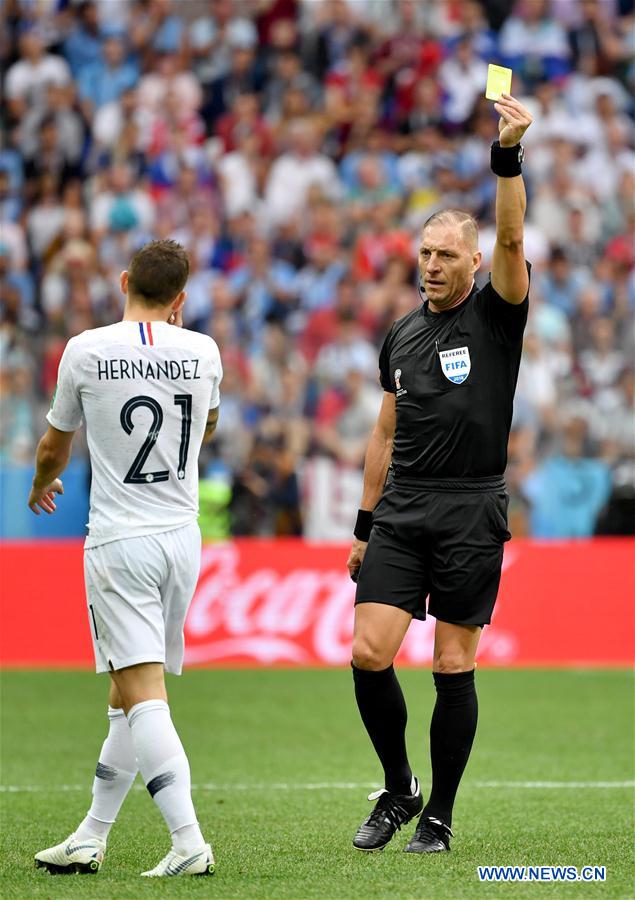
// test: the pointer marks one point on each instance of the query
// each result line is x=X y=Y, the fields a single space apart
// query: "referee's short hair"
x=158 y=272
x=459 y=219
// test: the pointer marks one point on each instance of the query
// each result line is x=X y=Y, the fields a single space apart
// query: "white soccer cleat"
x=83 y=856
x=199 y=862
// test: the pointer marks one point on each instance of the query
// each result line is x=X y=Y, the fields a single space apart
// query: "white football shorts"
x=138 y=592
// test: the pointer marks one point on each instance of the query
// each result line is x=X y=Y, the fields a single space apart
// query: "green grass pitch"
x=269 y=739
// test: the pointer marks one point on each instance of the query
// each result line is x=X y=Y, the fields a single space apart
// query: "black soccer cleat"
x=431 y=836
x=390 y=813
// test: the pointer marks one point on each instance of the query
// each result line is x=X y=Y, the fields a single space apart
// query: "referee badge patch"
x=455 y=364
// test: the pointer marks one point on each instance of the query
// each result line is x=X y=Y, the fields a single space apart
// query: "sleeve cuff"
x=61 y=426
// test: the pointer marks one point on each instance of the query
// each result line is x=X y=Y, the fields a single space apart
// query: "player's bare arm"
x=509 y=271
x=53 y=454
x=210 y=426
x=378 y=456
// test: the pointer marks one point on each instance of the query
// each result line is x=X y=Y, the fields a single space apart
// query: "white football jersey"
x=144 y=390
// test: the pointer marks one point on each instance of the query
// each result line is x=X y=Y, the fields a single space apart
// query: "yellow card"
x=499 y=81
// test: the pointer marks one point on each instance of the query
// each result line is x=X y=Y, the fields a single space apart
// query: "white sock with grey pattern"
x=114 y=776
x=165 y=770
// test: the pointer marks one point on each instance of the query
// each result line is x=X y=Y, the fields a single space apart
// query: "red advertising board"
x=267 y=603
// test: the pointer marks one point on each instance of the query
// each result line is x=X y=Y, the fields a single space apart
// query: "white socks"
x=116 y=771
x=147 y=741
x=165 y=770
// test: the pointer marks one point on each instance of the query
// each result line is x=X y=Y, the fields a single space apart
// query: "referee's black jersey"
x=454 y=375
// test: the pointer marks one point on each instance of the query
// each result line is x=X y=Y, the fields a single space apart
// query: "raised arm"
x=378 y=456
x=509 y=270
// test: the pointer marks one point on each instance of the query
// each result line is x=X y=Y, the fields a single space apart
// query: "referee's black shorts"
x=441 y=539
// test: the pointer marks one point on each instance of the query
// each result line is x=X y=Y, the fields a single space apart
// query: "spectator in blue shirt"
x=568 y=490
x=82 y=47
x=168 y=36
x=10 y=202
x=11 y=163
x=473 y=22
x=534 y=44
x=263 y=287
x=316 y=283
x=560 y=284
x=352 y=166
x=17 y=293
x=107 y=79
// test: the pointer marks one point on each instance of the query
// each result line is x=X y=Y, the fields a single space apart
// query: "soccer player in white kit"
x=148 y=392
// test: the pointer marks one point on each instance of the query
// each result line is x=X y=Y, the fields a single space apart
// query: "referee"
x=448 y=370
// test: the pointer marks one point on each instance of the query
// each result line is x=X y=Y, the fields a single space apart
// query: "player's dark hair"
x=158 y=272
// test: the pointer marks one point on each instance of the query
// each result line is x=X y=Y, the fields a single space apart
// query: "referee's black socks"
x=383 y=710
x=452 y=731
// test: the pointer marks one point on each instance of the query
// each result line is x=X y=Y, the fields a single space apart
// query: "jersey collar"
x=446 y=313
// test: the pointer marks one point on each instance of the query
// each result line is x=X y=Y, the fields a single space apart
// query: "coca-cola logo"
x=268 y=615
x=278 y=612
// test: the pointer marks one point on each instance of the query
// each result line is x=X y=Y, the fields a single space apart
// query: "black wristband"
x=506 y=162
x=363 y=525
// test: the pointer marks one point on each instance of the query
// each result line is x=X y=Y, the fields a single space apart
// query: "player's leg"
x=114 y=776
x=83 y=851
x=135 y=683
x=162 y=760
x=452 y=730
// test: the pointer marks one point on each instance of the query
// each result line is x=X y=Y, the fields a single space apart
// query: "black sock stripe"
x=106 y=773
x=159 y=782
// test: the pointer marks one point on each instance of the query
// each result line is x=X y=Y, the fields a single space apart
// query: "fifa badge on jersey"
x=455 y=364
x=400 y=391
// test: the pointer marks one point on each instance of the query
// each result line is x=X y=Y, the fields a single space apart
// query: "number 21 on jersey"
x=134 y=474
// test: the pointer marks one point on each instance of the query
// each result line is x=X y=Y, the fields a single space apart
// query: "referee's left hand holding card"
x=514 y=120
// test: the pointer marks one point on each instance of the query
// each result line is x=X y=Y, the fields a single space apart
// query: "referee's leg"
x=378 y=632
x=453 y=724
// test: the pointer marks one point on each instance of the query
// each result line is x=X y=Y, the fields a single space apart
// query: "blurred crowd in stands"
x=295 y=147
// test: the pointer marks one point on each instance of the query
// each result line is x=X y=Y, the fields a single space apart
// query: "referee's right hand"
x=355 y=558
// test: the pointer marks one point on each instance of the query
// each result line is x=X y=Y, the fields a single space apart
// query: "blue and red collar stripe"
x=148 y=331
